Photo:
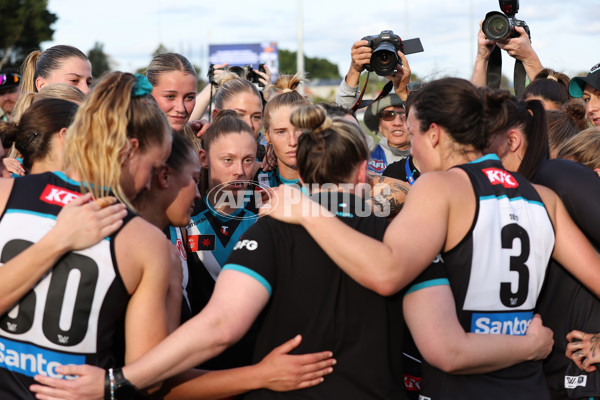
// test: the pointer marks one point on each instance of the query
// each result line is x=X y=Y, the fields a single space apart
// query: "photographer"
x=205 y=95
x=518 y=48
x=361 y=56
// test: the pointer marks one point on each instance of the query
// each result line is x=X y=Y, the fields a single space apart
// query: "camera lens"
x=384 y=59
x=496 y=26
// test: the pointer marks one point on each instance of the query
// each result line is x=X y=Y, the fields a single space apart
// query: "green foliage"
x=317 y=68
x=24 y=24
x=99 y=60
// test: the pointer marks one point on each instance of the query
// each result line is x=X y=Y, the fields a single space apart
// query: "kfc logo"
x=501 y=177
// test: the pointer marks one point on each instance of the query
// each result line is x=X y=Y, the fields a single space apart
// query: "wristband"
x=111 y=384
x=106 y=386
x=124 y=390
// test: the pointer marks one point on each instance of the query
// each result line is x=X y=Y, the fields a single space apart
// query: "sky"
x=565 y=34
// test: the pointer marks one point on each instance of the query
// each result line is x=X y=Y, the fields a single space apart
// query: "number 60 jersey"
x=72 y=315
x=496 y=274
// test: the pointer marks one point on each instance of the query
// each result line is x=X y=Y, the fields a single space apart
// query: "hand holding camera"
x=510 y=34
x=260 y=77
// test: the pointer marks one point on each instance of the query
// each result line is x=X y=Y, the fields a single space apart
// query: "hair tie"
x=31 y=138
x=142 y=86
x=552 y=78
x=287 y=90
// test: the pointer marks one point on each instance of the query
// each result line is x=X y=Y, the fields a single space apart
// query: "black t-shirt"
x=402 y=170
x=565 y=304
x=310 y=295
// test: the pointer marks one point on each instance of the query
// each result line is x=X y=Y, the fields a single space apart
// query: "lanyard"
x=409 y=173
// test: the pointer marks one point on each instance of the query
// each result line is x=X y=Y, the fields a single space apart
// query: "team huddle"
x=244 y=242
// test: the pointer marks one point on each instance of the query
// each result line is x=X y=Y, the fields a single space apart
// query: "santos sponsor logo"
x=571 y=382
x=31 y=360
x=501 y=323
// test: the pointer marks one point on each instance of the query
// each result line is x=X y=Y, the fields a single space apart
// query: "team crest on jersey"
x=498 y=176
x=201 y=242
x=58 y=196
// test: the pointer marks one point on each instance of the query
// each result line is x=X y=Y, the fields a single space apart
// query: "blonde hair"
x=230 y=85
x=284 y=93
x=53 y=91
x=97 y=142
x=583 y=148
x=285 y=84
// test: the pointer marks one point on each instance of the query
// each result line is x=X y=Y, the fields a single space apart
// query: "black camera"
x=501 y=25
x=385 y=51
x=253 y=76
x=246 y=72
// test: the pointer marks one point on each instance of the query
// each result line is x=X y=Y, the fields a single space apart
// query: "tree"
x=24 y=24
x=317 y=68
x=99 y=59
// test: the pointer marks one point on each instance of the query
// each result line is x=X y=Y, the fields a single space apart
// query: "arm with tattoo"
x=584 y=349
x=388 y=194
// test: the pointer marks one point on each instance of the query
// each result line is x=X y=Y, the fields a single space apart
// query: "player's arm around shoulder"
x=145 y=258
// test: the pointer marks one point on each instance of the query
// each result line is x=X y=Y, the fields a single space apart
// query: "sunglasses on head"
x=390 y=115
x=6 y=79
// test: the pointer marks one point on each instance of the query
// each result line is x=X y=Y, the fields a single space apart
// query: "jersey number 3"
x=509 y=298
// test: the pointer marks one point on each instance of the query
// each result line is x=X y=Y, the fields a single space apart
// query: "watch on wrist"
x=124 y=390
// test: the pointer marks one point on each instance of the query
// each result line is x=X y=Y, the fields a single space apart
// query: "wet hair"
x=33 y=134
x=454 y=104
x=329 y=148
x=583 y=148
x=565 y=123
x=41 y=64
x=229 y=86
x=288 y=96
x=549 y=85
x=505 y=111
x=225 y=122
x=97 y=141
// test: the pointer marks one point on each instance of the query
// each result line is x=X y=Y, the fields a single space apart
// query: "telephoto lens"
x=384 y=59
x=496 y=26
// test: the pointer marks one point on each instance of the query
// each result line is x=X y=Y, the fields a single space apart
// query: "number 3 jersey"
x=74 y=313
x=495 y=273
